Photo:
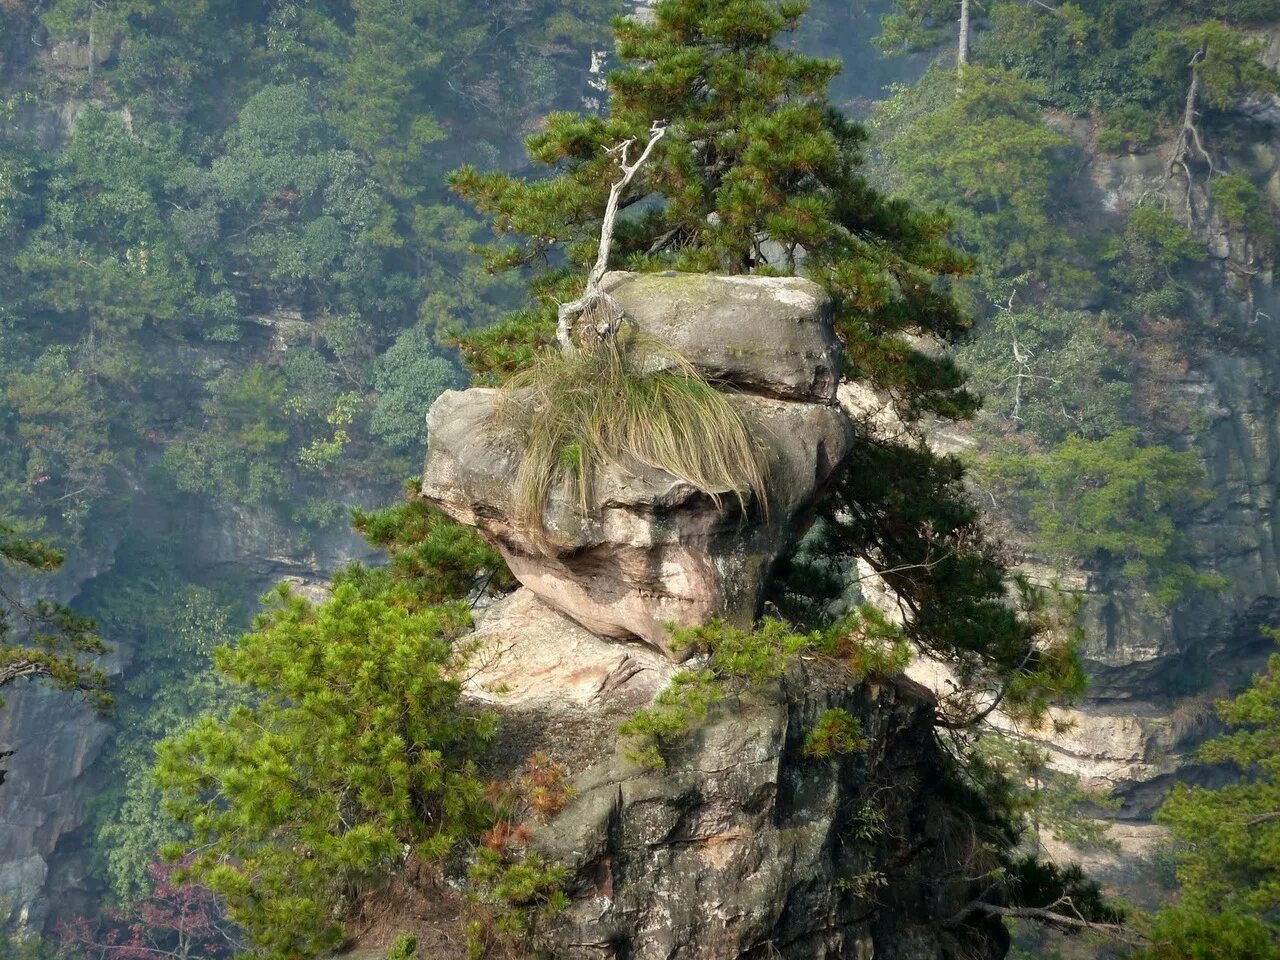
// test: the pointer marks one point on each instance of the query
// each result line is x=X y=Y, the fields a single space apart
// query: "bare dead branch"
x=1053 y=918
x=595 y=302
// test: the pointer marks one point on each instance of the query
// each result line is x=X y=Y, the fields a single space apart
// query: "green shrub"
x=1129 y=128
x=433 y=559
x=405 y=947
x=520 y=892
x=1243 y=208
x=863 y=640
x=836 y=733
x=1113 y=502
x=353 y=755
x=409 y=377
x=687 y=698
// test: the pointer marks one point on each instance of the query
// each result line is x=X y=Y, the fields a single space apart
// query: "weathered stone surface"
x=769 y=335
x=653 y=548
x=744 y=848
x=523 y=654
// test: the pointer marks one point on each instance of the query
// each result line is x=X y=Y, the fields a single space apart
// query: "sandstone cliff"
x=743 y=846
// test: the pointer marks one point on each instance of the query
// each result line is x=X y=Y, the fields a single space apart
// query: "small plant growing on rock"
x=864 y=641
x=519 y=893
x=836 y=734
x=405 y=947
x=861 y=884
x=539 y=793
x=867 y=823
x=515 y=888
x=624 y=398
x=687 y=698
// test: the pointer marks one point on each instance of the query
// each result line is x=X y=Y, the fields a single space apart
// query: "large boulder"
x=768 y=335
x=652 y=549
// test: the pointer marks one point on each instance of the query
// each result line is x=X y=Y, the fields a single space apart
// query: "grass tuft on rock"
x=625 y=398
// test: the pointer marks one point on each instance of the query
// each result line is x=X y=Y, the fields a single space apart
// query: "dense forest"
x=243 y=247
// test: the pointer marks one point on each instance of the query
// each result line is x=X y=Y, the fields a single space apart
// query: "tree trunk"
x=1189 y=136
x=594 y=301
x=962 y=52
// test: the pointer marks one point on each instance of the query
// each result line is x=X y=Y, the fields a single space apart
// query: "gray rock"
x=769 y=335
x=745 y=848
x=653 y=548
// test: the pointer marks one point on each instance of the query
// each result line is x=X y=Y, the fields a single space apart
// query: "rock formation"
x=743 y=847
x=653 y=549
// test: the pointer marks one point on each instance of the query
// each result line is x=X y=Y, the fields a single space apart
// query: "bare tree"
x=596 y=306
x=1189 y=136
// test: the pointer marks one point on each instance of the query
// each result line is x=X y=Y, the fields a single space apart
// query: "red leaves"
x=179 y=920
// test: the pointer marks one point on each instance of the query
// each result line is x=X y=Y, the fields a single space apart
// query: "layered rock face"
x=743 y=848
x=653 y=549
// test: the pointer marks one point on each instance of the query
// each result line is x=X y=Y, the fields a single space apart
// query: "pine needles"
x=624 y=398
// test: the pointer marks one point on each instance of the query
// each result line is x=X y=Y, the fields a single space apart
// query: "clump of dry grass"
x=624 y=397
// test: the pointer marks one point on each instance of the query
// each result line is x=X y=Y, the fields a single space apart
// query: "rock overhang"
x=652 y=549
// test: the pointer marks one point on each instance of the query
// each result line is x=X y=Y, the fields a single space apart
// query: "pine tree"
x=346 y=754
x=757 y=173
x=353 y=758
x=1229 y=840
x=56 y=646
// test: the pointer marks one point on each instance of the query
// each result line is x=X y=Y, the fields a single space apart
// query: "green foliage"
x=836 y=733
x=1153 y=245
x=625 y=399
x=172 y=625
x=404 y=947
x=498 y=351
x=980 y=147
x=352 y=753
x=432 y=559
x=28 y=947
x=1112 y=503
x=752 y=150
x=1224 y=935
x=683 y=702
x=1045 y=798
x=916 y=25
x=903 y=511
x=277 y=168
x=1128 y=128
x=1033 y=881
x=734 y=659
x=1051 y=372
x=521 y=894
x=408 y=377
x=1243 y=208
x=45 y=642
x=1224 y=60
x=1229 y=839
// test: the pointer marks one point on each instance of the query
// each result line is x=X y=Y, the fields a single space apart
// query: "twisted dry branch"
x=600 y=311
